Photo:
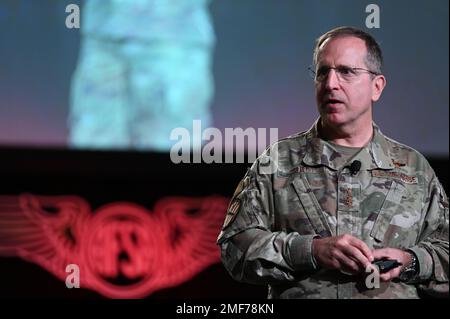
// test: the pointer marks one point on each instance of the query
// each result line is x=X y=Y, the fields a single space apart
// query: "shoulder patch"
x=232 y=212
x=243 y=184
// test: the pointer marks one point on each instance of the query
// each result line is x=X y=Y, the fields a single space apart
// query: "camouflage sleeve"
x=432 y=248
x=251 y=250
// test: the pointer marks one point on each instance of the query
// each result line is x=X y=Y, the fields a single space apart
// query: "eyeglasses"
x=343 y=73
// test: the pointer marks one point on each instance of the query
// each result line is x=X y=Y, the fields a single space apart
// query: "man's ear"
x=378 y=85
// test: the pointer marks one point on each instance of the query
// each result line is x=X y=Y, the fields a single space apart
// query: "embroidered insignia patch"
x=232 y=212
x=398 y=164
x=403 y=177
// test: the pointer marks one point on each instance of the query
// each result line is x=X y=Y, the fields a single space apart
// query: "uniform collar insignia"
x=374 y=155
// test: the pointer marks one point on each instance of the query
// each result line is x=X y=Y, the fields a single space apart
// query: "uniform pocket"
x=311 y=206
x=391 y=206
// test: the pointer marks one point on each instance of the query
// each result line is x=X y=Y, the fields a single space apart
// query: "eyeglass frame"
x=338 y=74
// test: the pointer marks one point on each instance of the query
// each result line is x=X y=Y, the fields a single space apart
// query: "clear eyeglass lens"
x=343 y=73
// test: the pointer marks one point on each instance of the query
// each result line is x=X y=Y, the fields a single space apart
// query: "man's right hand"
x=345 y=253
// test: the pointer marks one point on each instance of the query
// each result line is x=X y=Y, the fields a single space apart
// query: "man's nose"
x=332 y=80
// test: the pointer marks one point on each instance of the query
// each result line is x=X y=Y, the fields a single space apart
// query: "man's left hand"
x=401 y=256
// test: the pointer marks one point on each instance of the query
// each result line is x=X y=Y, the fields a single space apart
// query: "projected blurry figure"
x=144 y=69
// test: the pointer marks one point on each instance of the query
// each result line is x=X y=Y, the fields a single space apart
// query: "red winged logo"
x=122 y=249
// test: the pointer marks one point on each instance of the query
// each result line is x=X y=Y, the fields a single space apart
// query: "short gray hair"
x=374 y=57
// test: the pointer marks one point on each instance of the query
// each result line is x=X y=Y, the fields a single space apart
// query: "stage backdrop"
x=132 y=223
x=258 y=52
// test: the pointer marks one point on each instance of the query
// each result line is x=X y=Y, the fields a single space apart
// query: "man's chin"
x=333 y=119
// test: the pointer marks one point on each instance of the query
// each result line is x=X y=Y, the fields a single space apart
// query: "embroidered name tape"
x=403 y=177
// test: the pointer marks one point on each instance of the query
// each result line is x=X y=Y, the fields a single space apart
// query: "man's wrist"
x=301 y=253
x=313 y=258
x=411 y=270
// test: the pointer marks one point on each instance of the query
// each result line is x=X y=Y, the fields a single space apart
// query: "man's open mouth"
x=332 y=101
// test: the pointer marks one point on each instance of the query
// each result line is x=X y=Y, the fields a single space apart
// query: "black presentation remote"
x=384 y=265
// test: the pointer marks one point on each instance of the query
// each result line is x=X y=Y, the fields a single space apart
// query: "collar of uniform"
x=379 y=149
x=319 y=152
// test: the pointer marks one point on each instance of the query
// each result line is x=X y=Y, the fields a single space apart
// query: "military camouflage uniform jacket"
x=395 y=200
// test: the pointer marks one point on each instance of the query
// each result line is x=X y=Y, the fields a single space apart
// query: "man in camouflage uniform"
x=317 y=208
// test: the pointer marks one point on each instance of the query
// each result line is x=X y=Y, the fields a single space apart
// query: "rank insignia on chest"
x=398 y=164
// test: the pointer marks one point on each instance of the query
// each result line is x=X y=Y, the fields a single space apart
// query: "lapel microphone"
x=355 y=167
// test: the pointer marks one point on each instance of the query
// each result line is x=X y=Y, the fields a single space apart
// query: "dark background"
x=104 y=177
